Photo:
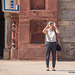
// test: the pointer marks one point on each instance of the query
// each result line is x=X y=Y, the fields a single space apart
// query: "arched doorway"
x=2 y=30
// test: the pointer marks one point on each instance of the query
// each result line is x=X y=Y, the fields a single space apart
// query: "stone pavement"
x=8 y=67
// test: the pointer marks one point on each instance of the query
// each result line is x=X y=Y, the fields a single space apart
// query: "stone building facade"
x=23 y=29
x=32 y=20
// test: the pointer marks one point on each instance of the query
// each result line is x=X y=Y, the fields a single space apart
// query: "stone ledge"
x=32 y=45
x=68 y=40
x=63 y=22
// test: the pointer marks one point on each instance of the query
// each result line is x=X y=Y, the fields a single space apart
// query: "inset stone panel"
x=36 y=27
x=37 y=4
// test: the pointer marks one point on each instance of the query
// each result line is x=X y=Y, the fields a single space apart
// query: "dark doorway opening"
x=2 y=30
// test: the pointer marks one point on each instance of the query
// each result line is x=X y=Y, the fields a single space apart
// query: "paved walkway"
x=35 y=68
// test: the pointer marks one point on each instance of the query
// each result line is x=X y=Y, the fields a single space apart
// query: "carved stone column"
x=7 y=35
x=14 y=38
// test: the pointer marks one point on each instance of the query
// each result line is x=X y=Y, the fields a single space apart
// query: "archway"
x=2 y=30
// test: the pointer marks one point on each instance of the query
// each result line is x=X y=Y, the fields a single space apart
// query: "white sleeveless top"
x=50 y=36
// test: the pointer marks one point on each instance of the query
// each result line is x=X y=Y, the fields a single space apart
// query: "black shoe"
x=47 y=69
x=53 y=70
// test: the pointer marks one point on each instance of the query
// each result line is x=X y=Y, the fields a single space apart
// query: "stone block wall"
x=66 y=24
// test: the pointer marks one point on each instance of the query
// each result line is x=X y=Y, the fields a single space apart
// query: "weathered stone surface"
x=66 y=17
x=7 y=41
x=67 y=5
x=24 y=34
x=52 y=5
x=68 y=14
x=67 y=31
x=9 y=32
x=68 y=40
x=67 y=52
x=6 y=54
x=63 y=23
x=59 y=16
x=33 y=52
x=72 y=23
x=14 y=53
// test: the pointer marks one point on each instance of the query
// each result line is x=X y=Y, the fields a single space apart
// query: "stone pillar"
x=7 y=36
x=14 y=38
x=28 y=4
x=46 y=4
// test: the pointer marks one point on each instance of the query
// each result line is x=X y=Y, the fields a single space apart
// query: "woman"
x=50 y=30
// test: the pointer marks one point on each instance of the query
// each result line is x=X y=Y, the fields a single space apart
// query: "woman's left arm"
x=57 y=30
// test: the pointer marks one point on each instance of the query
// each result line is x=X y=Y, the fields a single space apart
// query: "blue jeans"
x=50 y=46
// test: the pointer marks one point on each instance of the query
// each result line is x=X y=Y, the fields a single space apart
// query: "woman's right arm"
x=45 y=29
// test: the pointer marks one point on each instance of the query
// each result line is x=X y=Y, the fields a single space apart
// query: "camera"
x=51 y=23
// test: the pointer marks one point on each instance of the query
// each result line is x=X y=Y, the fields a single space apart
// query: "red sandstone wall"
x=27 y=50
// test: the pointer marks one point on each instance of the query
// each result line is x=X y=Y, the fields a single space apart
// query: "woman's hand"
x=54 y=25
x=57 y=30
